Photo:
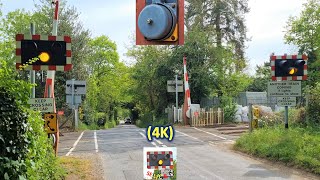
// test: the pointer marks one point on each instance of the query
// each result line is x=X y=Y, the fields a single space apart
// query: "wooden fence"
x=207 y=117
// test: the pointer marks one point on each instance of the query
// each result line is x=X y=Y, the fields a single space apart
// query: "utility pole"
x=286 y=114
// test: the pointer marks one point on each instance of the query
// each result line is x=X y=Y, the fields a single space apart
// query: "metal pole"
x=76 y=117
x=32 y=72
x=250 y=117
x=177 y=98
x=51 y=74
x=74 y=107
x=286 y=114
x=72 y=93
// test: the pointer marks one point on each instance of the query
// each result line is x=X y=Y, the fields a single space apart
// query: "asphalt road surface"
x=201 y=154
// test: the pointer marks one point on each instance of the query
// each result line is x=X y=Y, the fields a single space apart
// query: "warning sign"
x=50 y=123
x=286 y=101
x=41 y=104
x=284 y=88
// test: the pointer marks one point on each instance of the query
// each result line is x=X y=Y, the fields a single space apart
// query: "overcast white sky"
x=116 y=19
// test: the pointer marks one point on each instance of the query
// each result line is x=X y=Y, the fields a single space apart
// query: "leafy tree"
x=19 y=22
x=70 y=25
x=303 y=31
x=224 y=21
x=108 y=80
x=150 y=78
x=214 y=44
x=261 y=78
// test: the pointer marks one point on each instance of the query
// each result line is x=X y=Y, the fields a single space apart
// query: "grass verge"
x=77 y=168
x=296 y=146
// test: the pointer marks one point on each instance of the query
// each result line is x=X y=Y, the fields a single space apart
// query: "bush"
x=13 y=138
x=110 y=124
x=41 y=160
x=229 y=109
x=298 y=116
x=271 y=120
x=25 y=152
x=314 y=104
x=147 y=120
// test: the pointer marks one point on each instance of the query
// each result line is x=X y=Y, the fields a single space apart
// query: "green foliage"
x=13 y=139
x=298 y=116
x=148 y=119
x=41 y=160
x=294 y=146
x=24 y=148
x=108 y=82
x=303 y=31
x=261 y=78
x=215 y=58
x=110 y=124
x=271 y=120
x=175 y=170
x=313 y=95
x=229 y=110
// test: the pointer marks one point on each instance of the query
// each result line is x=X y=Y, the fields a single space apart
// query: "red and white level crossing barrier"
x=289 y=78
x=186 y=85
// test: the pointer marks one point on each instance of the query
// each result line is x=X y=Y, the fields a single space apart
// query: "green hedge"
x=25 y=152
x=294 y=146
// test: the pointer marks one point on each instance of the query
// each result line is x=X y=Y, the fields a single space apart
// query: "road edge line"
x=75 y=144
x=189 y=136
x=95 y=141
x=212 y=134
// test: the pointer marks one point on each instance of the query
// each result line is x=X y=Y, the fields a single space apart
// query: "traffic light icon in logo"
x=160 y=22
x=291 y=67
x=39 y=52
x=160 y=160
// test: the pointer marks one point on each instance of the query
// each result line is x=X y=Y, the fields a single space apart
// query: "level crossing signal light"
x=291 y=67
x=48 y=52
x=43 y=52
x=160 y=22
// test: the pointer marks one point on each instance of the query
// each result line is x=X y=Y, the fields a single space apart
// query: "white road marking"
x=159 y=142
x=95 y=141
x=153 y=143
x=189 y=136
x=142 y=135
x=75 y=144
x=211 y=134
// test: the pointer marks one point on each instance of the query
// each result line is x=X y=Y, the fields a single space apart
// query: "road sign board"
x=41 y=104
x=79 y=87
x=284 y=89
x=76 y=101
x=171 y=86
x=50 y=124
x=286 y=101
